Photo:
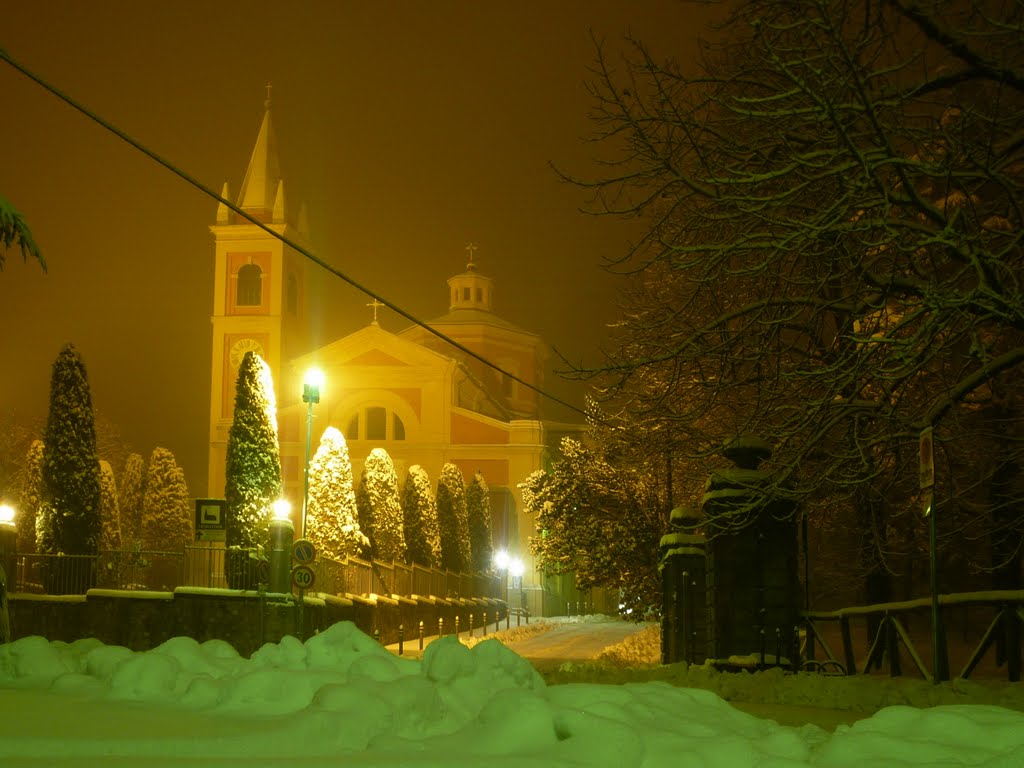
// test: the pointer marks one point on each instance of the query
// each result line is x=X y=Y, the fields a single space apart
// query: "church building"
x=412 y=393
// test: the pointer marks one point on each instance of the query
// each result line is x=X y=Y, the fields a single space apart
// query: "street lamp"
x=8 y=545
x=310 y=394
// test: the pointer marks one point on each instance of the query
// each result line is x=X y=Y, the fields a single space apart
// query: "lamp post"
x=8 y=542
x=282 y=534
x=516 y=570
x=310 y=394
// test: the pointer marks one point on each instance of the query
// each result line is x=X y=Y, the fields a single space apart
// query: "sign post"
x=303 y=577
x=926 y=472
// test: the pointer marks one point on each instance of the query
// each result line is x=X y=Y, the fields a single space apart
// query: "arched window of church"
x=352 y=430
x=376 y=424
x=292 y=293
x=250 y=286
x=465 y=294
x=397 y=428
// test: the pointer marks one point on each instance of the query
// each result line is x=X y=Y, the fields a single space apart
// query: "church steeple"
x=470 y=289
x=262 y=192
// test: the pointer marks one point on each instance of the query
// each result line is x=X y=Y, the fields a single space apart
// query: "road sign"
x=303 y=577
x=303 y=551
x=210 y=519
x=926 y=460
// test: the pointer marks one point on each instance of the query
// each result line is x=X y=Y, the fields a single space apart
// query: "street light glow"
x=282 y=509
x=6 y=514
x=501 y=559
x=311 y=385
x=516 y=567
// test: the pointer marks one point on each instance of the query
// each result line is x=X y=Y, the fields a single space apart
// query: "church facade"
x=412 y=393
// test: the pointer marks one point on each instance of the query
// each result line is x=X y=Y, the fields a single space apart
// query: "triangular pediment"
x=375 y=357
x=373 y=346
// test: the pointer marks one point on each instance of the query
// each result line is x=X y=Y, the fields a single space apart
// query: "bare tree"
x=833 y=249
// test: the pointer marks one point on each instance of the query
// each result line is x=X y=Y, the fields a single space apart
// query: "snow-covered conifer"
x=452 y=521
x=380 y=509
x=130 y=500
x=110 y=512
x=31 y=498
x=332 y=522
x=167 y=510
x=110 y=529
x=478 y=514
x=253 y=471
x=419 y=515
x=71 y=469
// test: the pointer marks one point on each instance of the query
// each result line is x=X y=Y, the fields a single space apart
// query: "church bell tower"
x=259 y=285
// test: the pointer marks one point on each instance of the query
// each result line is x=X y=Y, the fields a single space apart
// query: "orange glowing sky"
x=409 y=129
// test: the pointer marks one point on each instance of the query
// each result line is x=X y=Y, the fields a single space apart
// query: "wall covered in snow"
x=143 y=620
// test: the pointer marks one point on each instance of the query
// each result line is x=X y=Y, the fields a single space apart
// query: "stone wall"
x=143 y=620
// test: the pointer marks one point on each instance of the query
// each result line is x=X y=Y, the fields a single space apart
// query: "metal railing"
x=206 y=566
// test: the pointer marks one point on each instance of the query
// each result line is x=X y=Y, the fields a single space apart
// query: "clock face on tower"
x=240 y=347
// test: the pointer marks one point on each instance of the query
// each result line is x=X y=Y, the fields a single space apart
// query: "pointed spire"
x=223 y=212
x=259 y=189
x=279 y=203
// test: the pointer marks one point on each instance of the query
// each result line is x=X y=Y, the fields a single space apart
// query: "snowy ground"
x=341 y=699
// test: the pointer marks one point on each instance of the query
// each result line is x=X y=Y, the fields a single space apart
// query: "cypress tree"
x=452 y=521
x=253 y=472
x=31 y=497
x=478 y=513
x=331 y=514
x=380 y=510
x=71 y=475
x=167 y=512
x=110 y=529
x=130 y=498
x=419 y=517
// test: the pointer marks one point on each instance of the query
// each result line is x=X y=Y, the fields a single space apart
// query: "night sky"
x=408 y=129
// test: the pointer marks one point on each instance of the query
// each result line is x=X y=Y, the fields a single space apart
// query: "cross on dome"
x=471 y=249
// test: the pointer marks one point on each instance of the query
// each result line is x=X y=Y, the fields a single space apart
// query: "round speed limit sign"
x=303 y=577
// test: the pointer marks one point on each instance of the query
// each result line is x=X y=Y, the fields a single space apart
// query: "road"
x=572 y=642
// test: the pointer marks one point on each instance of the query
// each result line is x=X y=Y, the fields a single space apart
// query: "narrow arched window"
x=352 y=432
x=397 y=428
x=250 y=286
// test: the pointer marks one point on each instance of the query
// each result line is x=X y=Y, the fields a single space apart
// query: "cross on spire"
x=471 y=249
x=375 y=304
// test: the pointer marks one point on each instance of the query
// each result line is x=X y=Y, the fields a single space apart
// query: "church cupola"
x=470 y=289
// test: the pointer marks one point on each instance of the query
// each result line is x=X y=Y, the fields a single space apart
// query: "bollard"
x=421 y=634
x=485 y=623
x=470 y=624
x=456 y=626
x=401 y=638
x=440 y=626
x=376 y=635
x=497 y=619
x=508 y=618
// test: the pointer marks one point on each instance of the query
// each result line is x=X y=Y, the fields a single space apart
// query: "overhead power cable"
x=295 y=246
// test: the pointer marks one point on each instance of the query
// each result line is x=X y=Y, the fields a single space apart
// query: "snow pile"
x=511 y=635
x=341 y=698
x=639 y=650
